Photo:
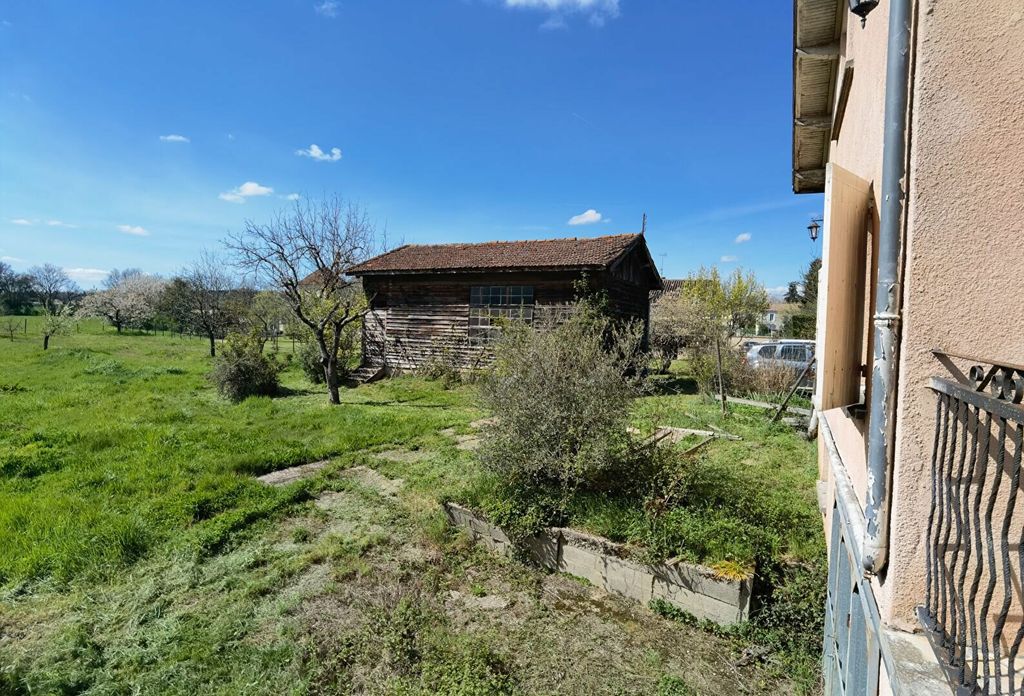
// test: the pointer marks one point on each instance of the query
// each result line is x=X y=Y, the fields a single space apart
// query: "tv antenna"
x=662 y=256
x=643 y=224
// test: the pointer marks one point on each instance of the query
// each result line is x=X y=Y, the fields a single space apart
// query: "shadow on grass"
x=283 y=391
x=667 y=385
x=407 y=404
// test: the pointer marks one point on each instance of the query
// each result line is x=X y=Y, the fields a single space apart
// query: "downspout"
x=881 y=427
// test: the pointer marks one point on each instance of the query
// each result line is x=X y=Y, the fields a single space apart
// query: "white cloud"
x=50 y=223
x=743 y=237
x=246 y=190
x=729 y=259
x=316 y=153
x=597 y=12
x=587 y=217
x=12 y=259
x=174 y=138
x=777 y=293
x=554 y=23
x=86 y=275
x=291 y=197
x=327 y=8
x=136 y=230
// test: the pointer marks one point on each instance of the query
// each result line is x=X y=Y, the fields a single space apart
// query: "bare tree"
x=9 y=327
x=51 y=284
x=203 y=303
x=264 y=313
x=116 y=277
x=305 y=254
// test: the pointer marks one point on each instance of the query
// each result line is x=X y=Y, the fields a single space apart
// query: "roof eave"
x=817 y=26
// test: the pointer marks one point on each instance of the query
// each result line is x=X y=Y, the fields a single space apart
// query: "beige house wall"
x=965 y=246
x=965 y=227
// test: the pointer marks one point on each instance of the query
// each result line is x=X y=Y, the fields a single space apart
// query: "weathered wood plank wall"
x=415 y=317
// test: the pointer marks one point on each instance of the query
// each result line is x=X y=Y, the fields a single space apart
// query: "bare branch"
x=305 y=253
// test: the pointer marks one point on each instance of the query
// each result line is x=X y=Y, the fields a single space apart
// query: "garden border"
x=692 y=588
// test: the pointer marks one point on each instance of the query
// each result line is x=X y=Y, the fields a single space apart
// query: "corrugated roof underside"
x=818 y=23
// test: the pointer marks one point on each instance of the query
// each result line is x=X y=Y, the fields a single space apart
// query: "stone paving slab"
x=292 y=474
x=368 y=477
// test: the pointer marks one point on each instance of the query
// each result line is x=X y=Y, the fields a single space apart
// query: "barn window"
x=490 y=306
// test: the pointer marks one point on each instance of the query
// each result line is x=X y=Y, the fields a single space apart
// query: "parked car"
x=792 y=354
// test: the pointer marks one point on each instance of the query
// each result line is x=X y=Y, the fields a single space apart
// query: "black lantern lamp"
x=814 y=228
x=862 y=8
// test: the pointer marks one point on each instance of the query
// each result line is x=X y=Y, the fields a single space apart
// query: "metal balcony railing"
x=974 y=608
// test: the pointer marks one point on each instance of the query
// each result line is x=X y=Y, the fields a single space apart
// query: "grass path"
x=359 y=590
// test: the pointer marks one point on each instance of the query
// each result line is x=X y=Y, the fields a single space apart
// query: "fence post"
x=721 y=382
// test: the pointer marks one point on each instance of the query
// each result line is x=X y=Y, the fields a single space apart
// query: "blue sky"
x=138 y=134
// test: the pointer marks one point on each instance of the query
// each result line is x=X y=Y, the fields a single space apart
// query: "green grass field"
x=141 y=555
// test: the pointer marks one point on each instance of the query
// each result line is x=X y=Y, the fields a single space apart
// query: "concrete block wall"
x=692 y=588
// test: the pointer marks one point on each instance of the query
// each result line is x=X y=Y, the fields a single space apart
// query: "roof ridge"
x=521 y=241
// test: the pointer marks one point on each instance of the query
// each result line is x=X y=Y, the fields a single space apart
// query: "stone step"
x=367 y=373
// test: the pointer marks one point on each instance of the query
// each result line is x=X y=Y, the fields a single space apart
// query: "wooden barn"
x=426 y=299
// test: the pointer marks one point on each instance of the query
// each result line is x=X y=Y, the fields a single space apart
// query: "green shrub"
x=241 y=369
x=560 y=395
x=309 y=361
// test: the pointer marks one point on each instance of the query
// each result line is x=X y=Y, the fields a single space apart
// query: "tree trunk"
x=118 y=325
x=721 y=381
x=330 y=370
x=213 y=346
x=46 y=342
x=332 y=386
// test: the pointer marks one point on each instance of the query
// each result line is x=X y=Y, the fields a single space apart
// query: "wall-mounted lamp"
x=862 y=8
x=814 y=228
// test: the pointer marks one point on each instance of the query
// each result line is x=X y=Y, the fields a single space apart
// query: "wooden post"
x=796 y=385
x=721 y=381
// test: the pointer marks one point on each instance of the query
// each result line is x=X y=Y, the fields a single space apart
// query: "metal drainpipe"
x=887 y=287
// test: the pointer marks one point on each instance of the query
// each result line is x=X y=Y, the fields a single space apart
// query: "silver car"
x=793 y=354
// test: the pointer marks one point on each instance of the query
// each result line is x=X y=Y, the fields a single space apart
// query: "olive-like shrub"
x=560 y=395
x=241 y=369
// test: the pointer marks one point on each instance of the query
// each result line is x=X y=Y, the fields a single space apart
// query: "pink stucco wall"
x=965 y=229
x=965 y=247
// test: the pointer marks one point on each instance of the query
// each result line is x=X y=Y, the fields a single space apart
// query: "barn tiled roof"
x=554 y=254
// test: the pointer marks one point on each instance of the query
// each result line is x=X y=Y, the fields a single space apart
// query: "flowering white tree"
x=57 y=322
x=129 y=302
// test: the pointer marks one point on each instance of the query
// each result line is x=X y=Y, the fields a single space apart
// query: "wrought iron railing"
x=973 y=607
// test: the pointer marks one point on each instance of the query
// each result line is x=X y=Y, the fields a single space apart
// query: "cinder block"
x=700 y=580
x=628 y=579
x=582 y=562
x=699 y=605
x=544 y=549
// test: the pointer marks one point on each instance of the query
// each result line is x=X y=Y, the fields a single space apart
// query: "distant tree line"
x=803 y=292
x=41 y=288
